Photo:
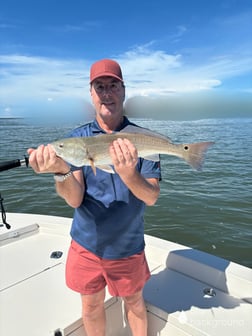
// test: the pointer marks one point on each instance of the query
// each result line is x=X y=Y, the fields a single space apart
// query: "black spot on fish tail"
x=194 y=153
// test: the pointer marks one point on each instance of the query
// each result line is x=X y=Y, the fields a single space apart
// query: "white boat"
x=190 y=292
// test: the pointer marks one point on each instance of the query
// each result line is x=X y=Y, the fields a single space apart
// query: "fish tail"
x=194 y=153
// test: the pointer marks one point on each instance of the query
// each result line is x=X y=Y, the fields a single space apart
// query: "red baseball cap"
x=105 y=67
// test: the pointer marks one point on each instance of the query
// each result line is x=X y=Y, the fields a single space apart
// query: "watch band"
x=62 y=177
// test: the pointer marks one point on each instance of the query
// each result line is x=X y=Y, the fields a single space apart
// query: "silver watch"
x=62 y=177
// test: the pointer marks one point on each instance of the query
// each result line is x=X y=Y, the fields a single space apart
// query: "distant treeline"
x=8 y=121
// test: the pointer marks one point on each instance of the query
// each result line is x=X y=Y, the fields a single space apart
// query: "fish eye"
x=61 y=145
x=186 y=148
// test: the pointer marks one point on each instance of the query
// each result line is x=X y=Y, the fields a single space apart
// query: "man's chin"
x=108 y=108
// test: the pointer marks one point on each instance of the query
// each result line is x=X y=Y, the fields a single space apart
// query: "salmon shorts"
x=87 y=273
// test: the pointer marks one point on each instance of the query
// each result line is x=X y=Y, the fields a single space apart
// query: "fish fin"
x=142 y=130
x=153 y=157
x=92 y=166
x=106 y=168
x=130 y=129
x=194 y=153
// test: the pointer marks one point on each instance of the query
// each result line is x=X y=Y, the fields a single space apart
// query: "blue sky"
x=181 y=59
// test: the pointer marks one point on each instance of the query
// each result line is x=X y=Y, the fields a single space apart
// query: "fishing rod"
x=5 y=165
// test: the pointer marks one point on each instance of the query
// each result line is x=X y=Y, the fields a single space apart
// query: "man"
x=107 y=232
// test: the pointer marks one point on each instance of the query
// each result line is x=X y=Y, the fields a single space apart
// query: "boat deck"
x=189 y=293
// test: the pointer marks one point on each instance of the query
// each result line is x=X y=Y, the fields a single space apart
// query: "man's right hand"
x=44 y=160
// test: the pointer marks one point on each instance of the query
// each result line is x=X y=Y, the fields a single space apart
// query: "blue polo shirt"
x=110 y=220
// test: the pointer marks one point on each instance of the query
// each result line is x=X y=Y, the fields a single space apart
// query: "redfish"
x=94 y=150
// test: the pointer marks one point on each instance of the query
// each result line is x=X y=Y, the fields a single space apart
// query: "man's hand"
x=124 y=156
x=44 y=160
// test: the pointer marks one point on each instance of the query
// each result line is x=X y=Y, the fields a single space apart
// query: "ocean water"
x=210 y=210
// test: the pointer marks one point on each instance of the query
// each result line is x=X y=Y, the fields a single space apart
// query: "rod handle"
x=13 y=164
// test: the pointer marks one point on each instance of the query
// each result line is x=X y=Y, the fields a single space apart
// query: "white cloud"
x=7 y=111
x=146 y=72
x=40 y=77
x=86 y=26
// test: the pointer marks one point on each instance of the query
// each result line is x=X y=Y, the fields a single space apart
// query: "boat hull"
x=189 y=293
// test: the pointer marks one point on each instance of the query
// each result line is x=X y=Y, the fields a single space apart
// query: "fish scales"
x=145 y=144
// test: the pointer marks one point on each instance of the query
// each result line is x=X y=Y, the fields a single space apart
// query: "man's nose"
x=106 y=90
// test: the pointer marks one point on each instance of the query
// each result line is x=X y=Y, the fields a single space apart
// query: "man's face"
x=108 y=95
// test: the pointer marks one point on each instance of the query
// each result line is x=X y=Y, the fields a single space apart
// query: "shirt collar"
x=95 y=127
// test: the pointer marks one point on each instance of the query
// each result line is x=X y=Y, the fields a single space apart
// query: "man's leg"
x=136 y=313
x=93 y=313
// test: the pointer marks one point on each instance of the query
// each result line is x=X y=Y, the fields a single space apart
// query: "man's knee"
x=92 y=311
x=135 y=302
x=92 y=305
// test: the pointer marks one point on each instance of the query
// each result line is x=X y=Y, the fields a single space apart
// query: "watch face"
x=62 y=177
x=59 y=178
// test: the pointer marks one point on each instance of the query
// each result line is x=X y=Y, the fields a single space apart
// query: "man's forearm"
x=147 y=190
x=71 y=190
